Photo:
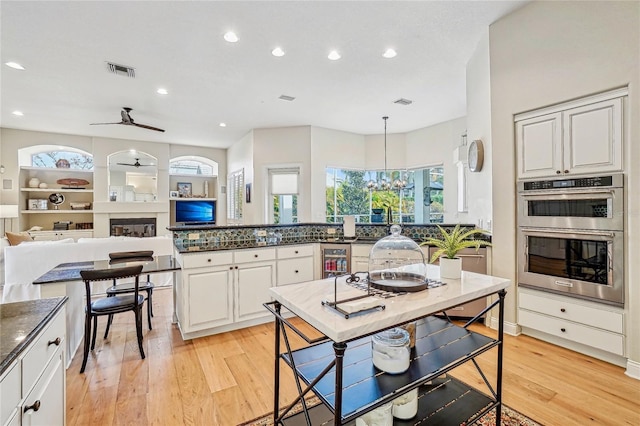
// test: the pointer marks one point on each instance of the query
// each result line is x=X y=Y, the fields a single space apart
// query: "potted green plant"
x=449 y=245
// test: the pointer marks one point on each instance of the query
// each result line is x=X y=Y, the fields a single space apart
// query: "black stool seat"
x=115 y=304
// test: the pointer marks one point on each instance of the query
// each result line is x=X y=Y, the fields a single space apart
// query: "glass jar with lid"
x=396 y=264
x=390 y=350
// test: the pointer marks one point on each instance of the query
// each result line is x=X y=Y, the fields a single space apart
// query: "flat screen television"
x=195 y=212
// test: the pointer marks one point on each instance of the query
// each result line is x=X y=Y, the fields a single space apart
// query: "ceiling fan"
x=128 y=121
x=136 y=164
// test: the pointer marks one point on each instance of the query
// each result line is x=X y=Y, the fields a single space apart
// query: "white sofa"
x=28 y=261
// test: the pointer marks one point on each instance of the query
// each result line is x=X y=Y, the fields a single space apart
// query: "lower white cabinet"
x=222 y=291
x=360 y=257
x=589 y=324
x=33 y=387
x=295 y=264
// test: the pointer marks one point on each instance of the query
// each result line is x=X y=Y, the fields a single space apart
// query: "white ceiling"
x=178 y=45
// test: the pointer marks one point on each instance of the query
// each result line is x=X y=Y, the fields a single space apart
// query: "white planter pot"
x=450 y=268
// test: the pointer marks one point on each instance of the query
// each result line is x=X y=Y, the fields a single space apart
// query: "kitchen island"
x=339 y=370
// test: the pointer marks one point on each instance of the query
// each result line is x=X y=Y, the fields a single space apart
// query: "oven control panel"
x=582 y=182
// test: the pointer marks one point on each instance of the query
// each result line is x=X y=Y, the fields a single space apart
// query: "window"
x=67 y=159
x=283 y=190
x=235 y=194
x=193 y=166
x=420 y=201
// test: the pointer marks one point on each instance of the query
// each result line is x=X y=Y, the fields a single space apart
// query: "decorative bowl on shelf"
x=72 y=183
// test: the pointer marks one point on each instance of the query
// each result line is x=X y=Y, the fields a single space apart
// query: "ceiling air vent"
x=286 y=98
x=122 y=70
x=403 y=101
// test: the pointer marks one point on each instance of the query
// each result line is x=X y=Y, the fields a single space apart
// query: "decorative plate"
x=73 y=182
x=56 y=199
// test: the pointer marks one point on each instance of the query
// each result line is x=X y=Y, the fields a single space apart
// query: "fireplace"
x=133 y=227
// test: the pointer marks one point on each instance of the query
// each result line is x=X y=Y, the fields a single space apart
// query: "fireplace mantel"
x=130 y=207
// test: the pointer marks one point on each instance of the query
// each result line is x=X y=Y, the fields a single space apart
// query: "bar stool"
x=110 y=305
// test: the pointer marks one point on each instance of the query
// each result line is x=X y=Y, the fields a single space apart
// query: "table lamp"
x=8 y=211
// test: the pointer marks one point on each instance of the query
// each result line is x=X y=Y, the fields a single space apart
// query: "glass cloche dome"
x=396 y=263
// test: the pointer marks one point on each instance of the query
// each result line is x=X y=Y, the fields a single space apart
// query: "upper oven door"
x=600 y=209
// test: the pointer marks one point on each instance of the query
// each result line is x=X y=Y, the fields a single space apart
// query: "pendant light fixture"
x=385 y=183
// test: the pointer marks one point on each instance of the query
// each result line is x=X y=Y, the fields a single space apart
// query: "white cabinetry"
x=224 y=290
x=579 y=137
x=473 y=261
x=360 y=257
x=33 y=388
x=565 y=320
x=295 y=264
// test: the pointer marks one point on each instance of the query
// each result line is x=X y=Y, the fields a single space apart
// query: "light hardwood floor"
x=227 y=379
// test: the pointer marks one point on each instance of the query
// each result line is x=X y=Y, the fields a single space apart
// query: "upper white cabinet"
x=579 y=137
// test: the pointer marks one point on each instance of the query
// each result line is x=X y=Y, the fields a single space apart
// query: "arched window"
x=51 y=156
x=193 y=166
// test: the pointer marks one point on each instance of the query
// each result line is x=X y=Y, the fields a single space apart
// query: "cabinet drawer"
x=294 y=251
x=259 y=255
x=572 y=311
x=589 y=336
x=292 y=271
x=42 y=350
x=11 y=392
x=361 y=250
x=202 y=260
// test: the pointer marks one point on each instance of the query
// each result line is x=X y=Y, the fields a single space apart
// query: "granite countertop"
x=20 y=323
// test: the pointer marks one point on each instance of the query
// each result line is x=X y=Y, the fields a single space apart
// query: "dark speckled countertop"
x=20 y=323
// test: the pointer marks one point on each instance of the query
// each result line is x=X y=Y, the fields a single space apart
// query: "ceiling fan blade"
x=144 y=126
x=126 y=164
x=95 y=124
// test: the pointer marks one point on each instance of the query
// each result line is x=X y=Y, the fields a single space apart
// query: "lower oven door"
x=580 y=263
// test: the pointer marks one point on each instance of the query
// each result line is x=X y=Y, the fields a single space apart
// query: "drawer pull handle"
x=296 y=271
x=34 y=407
x=209 y=260
x=54 y=342
x=231 y=267
x=255 y=255
x=563 y=330
x=296 y=252
x=563 y=310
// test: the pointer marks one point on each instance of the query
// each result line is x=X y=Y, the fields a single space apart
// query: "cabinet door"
x=539 y=146
x=253 y=281
x=209 y=300
x=593 y=137
x=47 y=397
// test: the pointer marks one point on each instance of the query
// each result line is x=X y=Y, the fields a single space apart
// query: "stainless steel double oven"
x=571 y=236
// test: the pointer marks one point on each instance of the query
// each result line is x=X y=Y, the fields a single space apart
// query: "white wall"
x=279 y=148
x=433 y=146
x=550 y=52
x=479 y=201
x=240 y=156
x=331 y=148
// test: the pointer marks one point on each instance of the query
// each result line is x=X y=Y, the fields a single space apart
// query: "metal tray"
x=398 y=281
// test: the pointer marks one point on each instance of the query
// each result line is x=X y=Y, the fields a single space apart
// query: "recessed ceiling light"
x=223 y=124
x=162 y=91
x=277 y=52
x=389 y=53
x=334 y=55
x=18 y=113
x=15 y=66
x=231 y=37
